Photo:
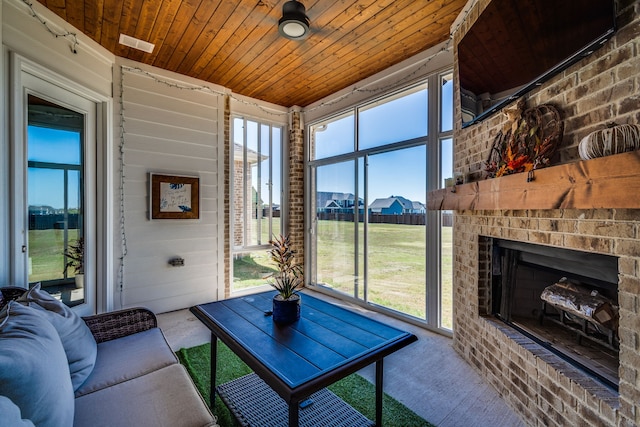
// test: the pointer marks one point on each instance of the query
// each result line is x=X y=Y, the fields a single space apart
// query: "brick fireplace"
x=539 y=384
x=564 y=300
x=543 y=387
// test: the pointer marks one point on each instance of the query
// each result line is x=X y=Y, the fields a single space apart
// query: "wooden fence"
x=52 y=221
x=406 y=219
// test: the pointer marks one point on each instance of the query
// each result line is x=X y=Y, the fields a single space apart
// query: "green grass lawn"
x=46 y=249
x=396 y=277
x=250 y=269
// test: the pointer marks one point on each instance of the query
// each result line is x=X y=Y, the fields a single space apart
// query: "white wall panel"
x=147 y=143
x=91 y=66
x=173 y=131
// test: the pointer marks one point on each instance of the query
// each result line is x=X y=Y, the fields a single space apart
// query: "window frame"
x=246 y=248
x=29 y=77
x=65 y=168
x=432 y=141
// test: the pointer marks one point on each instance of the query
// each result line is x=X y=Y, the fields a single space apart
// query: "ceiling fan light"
x=294 y=23
x=293 y=29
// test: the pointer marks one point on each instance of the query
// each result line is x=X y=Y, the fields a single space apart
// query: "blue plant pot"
x=286 y=311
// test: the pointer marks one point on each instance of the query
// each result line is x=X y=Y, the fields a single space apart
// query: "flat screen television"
x=515 y=45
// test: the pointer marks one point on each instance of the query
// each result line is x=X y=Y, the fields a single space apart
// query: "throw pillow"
x=78 y=342
x=11 y=416
x=34 y=372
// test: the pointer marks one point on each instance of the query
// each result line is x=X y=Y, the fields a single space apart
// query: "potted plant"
x=75 y=259
x=287 y=280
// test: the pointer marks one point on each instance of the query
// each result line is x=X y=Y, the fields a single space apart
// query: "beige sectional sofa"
x=113 y=369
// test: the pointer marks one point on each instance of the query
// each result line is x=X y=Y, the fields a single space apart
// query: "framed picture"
x=174 y=197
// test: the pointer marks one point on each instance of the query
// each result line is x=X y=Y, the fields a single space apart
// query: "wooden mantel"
x=607 y=182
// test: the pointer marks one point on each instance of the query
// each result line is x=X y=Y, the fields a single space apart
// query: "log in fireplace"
x=565 y=300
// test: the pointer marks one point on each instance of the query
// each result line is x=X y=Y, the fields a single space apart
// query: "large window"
x=257 y=192
x=370 y=170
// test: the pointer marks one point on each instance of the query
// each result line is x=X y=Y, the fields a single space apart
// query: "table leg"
x=214 y=364
x=293 y=413
x=379 y=372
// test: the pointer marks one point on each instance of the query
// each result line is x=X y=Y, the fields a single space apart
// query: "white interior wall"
x=91 y=66
x=173 y=130
x=167 y=130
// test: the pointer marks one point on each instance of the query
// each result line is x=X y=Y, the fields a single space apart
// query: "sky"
x=45 y=186
x=398 y=173
x=268 y=134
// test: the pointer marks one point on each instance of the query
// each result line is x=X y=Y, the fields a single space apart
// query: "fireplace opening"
x=565 y=300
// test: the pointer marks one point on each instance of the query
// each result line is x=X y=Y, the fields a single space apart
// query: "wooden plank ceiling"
x=236 y=43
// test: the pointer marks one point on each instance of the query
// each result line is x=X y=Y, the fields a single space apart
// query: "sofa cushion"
x=77 y=340
x=128 y=357
x=11 y=416
x=34 y=372
x=166 y=397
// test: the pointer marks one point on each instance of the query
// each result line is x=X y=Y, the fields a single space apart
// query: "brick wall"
x=296 y=185
x=547 y=391
x=599 y=89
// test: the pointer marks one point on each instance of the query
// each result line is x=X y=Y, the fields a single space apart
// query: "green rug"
x=354 y=389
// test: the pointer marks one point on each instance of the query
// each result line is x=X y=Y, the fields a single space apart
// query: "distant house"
x=332 y=206
x=396 y=205
x=331 y=202
x=388 y=206
x=42 y=210
x=418 y=208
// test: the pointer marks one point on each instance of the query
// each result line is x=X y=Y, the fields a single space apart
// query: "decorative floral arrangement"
x=526 y=142
x=288 y=278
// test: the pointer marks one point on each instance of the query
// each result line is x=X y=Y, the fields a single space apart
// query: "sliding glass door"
x=396 y=230
x=336 y=226
x=54 y=200
x=55 y=140
x=370 y=170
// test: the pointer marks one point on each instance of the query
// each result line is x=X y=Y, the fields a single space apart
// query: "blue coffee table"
x=298 y=361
